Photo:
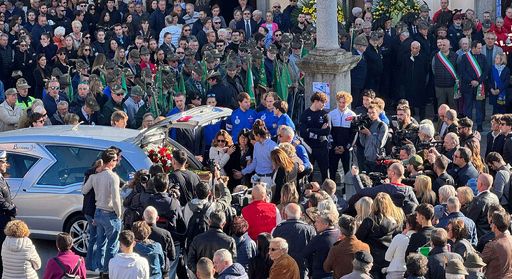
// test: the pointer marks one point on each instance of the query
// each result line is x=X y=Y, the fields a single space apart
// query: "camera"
x=361 y=121
x=212 y=166
x=429 y=144
x=145 y=178
x=377 y=178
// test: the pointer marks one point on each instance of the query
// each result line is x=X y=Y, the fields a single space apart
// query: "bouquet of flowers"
x=309 y=7
x=161 y=155
x=395 y=9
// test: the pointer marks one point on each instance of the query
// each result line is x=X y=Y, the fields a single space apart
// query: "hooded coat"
x=20 y=258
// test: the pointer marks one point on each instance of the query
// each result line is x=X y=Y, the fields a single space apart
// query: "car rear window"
x=19 y=164
x=71 y=164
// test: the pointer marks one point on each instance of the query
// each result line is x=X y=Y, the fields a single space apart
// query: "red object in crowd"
x=501 y=38
x=261 y=217
x=184 y=118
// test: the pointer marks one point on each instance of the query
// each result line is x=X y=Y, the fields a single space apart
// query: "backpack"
x=198 y=223
x=74 y=272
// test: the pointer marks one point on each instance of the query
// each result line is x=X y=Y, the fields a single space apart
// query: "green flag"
x=263 y=75
x=282 y=80
x=70 y=89
x=159 y=87
x=102 y=79
x=123 y=83
x=249 y=83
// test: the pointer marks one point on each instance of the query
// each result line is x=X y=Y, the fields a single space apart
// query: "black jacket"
x=494 y=144
x=437 y=259
x=225 y=96
x=378 y=234
x=479 y=209
x=164 y=237
x=7 y=207
x=359 y=72
x=317 y=250
x=205 y=245
x=298 y=234
x=169 y=211
x=443 y=179
x=507 y=149
x=419 y=239
x=462 y=175
x=375 y=67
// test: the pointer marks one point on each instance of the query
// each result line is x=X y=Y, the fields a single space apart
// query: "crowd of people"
x=411 y=199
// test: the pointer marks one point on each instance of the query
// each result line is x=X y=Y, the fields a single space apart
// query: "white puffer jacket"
x=20 y=259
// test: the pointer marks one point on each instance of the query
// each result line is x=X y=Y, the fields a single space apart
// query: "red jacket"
x=261 y=217
x=69 y=260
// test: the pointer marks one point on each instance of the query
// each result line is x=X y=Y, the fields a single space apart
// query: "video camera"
x=429 y=144
x=377 y=178
x=360 y=122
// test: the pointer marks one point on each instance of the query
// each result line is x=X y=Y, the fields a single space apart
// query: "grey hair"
x=223 y=255
x=150 y=215
x=416 y=43
x=291 y=214
x=257 y=12
x=281 y=242
x=287 y=130
x=59 y=31
x=445 y=192
x=451 y=115
x=427 y=129
x=453 y=203
x=63 y=104
x=362 y=267
x=454 y=137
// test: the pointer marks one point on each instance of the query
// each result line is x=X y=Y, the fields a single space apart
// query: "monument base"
x=330 y=67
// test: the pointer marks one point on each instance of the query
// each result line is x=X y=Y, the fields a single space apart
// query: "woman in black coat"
x=24 y=60
x=378 y=230
x=42 y=73
x=285 y=171
x=240 y=159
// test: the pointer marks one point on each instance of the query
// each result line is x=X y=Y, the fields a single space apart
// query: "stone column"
x=327 y=63
x=327 y=25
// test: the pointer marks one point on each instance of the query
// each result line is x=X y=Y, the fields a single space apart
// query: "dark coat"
x=494 y=144
x=241 y=26
x=443 y=179
x=234 y=271
x=107 y=110
x=377 y=234
x=317 y=250
x=419 y=239
x=298 y=234
x=467 y=74
x=415 y=71
x=358 y=73
x=225 y=96
x=479 y=209
x=164 y=237
x=462 y=175
x=50 y=104
x=205 y=245
x=375 y=67
x=437 y=259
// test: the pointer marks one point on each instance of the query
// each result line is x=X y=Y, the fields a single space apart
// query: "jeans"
x=108 y=229
x=90 y=260
x=174 y=264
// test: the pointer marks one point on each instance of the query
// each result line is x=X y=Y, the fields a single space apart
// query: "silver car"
x=47 y=166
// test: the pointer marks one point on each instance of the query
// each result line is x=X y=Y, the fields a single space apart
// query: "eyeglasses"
x=54 y=87
x=186 y=30
x=223 y=141
x=217 y=22
x=87 y=37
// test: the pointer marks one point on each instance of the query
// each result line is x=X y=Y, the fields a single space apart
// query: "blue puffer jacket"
x=245 y=249
x=153 y=252
x=235 y=271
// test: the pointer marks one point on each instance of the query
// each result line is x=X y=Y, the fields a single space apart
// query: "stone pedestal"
x=329 y=66
x=327 y=63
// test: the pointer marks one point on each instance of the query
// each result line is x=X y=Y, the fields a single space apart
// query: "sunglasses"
x=279 y=35
x=224 y=141
x=87 y=49
x=54 y=87
x=216 y=22
x=87 y=37
x=186 y=30
x=180 y=53
x=247 y=14
x=277 y=7
x=83 y=6
x=119 y=94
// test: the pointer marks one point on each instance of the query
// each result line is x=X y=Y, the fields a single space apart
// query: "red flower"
x=168 y=156
x=163 y=161
x=167 y=168
x=152 y=152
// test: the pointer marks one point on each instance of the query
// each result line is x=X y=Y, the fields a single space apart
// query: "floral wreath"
x=395 y=9
x=162 y=156
x=309 y=7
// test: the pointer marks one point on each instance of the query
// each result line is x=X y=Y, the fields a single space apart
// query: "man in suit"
x=358 y=73
x=133 y=63
x=473 y=70
x=88 y=113
x=480 y=206
x=416 y=69
x=247 y=24
x=373 y=57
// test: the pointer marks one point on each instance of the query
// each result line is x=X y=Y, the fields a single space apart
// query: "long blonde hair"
x=363 y=208
x=383 y=206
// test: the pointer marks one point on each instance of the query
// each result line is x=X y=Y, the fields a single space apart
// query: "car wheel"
x=77 y=229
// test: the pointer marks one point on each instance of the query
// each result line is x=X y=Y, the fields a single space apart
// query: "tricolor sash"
x=451 y=69
x=480 y=92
